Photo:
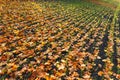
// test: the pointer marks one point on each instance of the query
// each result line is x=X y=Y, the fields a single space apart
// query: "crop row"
x=55 y=41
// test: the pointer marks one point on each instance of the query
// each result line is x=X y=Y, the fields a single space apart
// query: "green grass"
x=114 y=2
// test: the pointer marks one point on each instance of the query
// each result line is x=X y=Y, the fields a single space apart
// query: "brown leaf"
x=1 y=50
x=3 y=58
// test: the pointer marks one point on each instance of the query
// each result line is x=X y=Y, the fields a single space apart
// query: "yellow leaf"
x=43 y=43
x=16 y=31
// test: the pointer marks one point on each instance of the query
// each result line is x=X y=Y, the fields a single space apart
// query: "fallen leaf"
x=100 y=73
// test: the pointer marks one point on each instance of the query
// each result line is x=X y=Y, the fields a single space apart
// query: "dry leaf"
x=100 y=73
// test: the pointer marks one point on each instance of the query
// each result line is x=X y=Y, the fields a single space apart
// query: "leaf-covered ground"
x=59 y=41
